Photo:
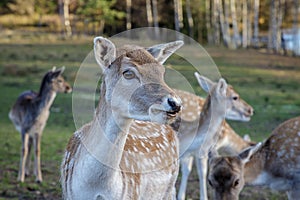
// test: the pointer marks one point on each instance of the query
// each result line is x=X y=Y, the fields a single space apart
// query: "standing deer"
x=99 y=162
x=29 y=115
x=222 y=102
x=275 y=163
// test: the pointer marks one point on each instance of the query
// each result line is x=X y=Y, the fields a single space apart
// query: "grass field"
x=270 y=83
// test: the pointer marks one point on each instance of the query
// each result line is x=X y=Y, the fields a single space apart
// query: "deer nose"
x=175 y=104
x=68 y=89
x=250 y=111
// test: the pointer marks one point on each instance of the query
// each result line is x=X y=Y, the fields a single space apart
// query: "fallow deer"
x=29 y=115
x=230 y=143
x=102 y=161
x=222 y=102
x=275 y=163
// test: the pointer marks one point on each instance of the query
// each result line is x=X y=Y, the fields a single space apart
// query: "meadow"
x=270 y=83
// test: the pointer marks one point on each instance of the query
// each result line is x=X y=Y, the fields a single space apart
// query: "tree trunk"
x=245 y=23
x=155 y=18
x=63 y=9
x=128 y=17
x=67 y=18
x=222 y=22
x=61 y=14
x=216 y=23
x=272 y=26
x=236 y=35
x=296 y=32
x=249 y=22
x=176 y=15
x=256 y=27
x=190 y=18
x=208 y=19
x=280 y=8
x=180 y=14
x=226 y=24
x=149 y=13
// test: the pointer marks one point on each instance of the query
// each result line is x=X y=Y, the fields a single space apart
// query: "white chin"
x=158 y=118
x=246 y=119
x=239 y=118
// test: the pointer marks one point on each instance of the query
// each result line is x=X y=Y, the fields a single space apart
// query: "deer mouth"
x=159 y=114
x=171 y=113
x=246 y=118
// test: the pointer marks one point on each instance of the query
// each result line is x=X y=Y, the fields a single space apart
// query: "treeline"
x=233 y=23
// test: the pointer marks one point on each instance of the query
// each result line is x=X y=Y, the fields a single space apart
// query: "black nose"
x=250 y=111
x=174 y=105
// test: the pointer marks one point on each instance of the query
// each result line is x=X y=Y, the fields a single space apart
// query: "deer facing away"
x=222 y=102
x=29 y=115
x=275 y=163
x=98 y=164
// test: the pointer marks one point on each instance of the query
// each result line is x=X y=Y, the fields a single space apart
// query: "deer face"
x=134 y=83
x=235 y=107
x=226 y=178
x=226 y=174
x=56 y=82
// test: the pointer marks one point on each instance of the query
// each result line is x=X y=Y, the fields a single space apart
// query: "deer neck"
x=254 y=169
x=107 y=135
x=45 y=97
x=211 y=118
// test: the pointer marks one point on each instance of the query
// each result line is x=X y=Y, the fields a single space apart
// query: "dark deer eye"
x=235 y=98
x=128 y=74
x=236 y=182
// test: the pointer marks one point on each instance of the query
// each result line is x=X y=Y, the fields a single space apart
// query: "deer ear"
x=162 y=52
x=247 y=138
x=213 y=153
x=57 y=72
x=246 y=154
x=205 y=83
x=222 y=87
x=105 y=52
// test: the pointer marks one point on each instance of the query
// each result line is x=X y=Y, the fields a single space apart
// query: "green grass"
x=269 y=83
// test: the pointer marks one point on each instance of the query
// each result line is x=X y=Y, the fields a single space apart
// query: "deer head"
x=54 y=80
x=133 y=80
x=226 y=175
x=236 y=108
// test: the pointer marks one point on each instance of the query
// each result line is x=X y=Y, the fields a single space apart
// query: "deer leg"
x=201 y=164
x=24 y=154
x=186 y=164
x=28 y=159
x=37 y=157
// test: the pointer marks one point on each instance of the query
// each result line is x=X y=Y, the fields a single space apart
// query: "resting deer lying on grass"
x=29 y=115
x=275 y=163
x=222 y=102
x=102 y=161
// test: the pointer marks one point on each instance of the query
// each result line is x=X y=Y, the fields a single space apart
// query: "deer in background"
x=222 y=102
x=29 y=115
x=230 y=143
x=275 y=163
x=96 y=165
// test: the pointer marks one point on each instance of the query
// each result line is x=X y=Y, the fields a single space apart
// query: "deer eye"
x=236 y=182
x=235 y=98
x=128 y=74
x=59 y=80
